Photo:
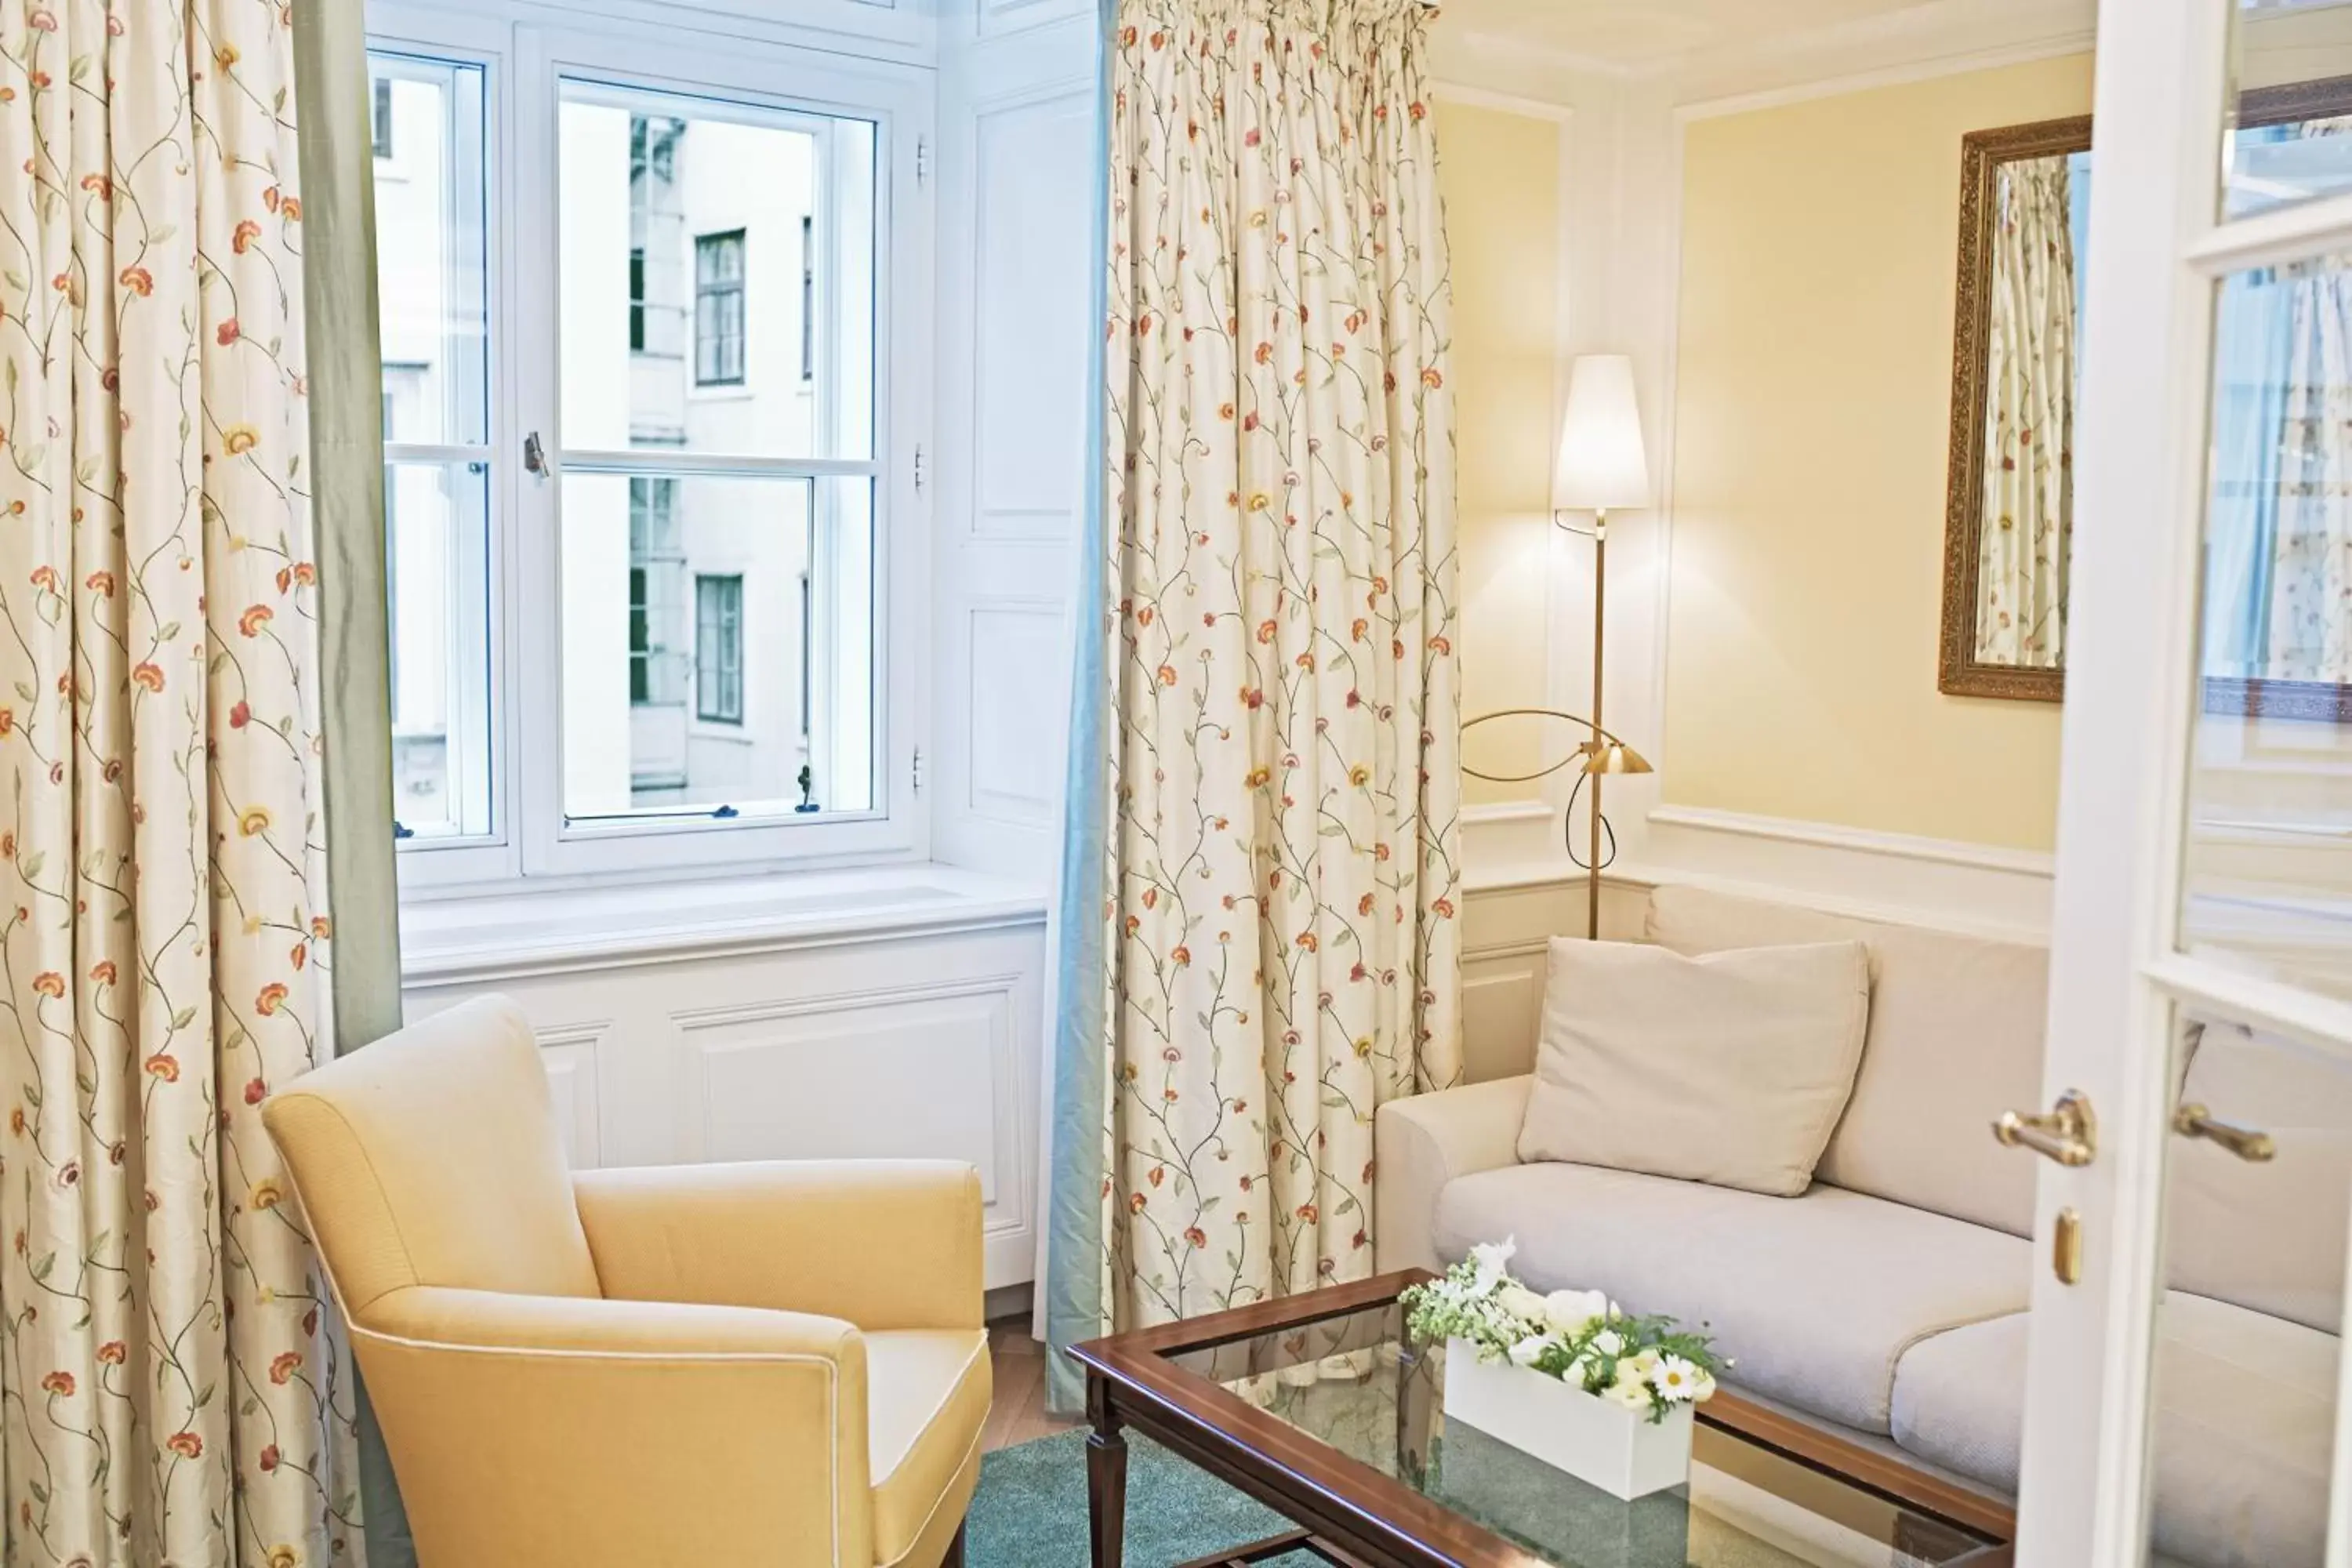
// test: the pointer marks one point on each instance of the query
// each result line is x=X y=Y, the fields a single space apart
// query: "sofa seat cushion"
x=1814 y=1298
x=926 y=1395
x=2245 y=1415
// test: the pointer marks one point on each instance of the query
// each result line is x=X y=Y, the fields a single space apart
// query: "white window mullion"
x=2279 y=237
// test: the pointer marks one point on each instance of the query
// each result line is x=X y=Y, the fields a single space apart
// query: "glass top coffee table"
x=1317 y=1406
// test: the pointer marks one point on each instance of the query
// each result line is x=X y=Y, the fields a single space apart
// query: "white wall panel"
x=1032 y=164
x=1017 y=173
x=1000 y=19
x=1016 y=741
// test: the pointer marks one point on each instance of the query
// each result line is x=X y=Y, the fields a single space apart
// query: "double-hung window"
x=650 y=462
x=719 y=308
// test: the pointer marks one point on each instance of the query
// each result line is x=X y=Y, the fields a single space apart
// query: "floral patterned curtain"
x=2028 y=487
x=1282 y=951
x=2310 y=630
x=172 y=1394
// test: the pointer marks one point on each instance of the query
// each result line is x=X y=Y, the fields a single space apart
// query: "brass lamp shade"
x=1612 y=757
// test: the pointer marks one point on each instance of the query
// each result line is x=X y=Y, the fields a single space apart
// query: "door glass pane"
x=718 y=277
x=2247 y=1331
x=436 y=575
x=2287 y=140
x=432 y=282
x=700 y=676
x=2267 y=882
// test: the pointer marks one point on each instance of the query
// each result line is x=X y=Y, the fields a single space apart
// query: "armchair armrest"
x=884 y=1244
x=595 y=1433
x=1422 y=1143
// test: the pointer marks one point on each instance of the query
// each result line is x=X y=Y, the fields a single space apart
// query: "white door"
x=2183 y=1391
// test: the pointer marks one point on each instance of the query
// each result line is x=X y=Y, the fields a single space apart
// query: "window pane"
x=698 y=677
x=436 y=568
x=2290 y=137
x=430 y=268
x=2267 y=883
x=689 y=282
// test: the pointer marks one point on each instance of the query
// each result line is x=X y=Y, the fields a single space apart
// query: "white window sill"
x=569 y=930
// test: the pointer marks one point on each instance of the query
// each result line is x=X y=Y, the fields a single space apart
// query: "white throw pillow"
x=1730 y=1068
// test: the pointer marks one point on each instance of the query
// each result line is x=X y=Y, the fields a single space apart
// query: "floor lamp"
x=1601 y=466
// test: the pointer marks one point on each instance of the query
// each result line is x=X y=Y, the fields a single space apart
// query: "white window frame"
x=456 y=859
x=532 y=844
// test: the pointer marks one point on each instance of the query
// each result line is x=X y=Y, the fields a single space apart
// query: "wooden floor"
x=1019 y=1410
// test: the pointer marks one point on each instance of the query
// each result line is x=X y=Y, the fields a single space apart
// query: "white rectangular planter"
x=1603 y=1445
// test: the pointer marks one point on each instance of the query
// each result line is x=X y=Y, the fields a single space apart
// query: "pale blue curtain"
x=1074 y=1240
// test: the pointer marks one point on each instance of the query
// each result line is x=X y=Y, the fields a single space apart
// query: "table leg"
x=1105 y=1481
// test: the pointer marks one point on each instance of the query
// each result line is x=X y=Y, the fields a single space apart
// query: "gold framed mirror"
x=2009 y=506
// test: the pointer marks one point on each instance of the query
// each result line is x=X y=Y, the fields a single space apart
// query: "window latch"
x=534 y=457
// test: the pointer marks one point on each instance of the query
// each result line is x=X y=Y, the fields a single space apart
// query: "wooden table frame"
x=1349 y=1513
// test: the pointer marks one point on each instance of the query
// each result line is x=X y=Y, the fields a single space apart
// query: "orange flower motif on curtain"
x=172 y=1390
x=1284 y=949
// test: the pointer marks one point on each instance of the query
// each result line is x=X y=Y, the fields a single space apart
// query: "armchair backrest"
x=432 y=1157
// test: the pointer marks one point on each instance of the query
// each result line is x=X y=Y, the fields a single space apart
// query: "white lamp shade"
x=1602 y=462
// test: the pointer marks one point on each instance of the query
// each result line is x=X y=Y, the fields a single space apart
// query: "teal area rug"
x=1031 y=1509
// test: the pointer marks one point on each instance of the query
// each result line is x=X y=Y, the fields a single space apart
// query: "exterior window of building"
x=808 y=298
x=657 y=571
x=718 y=650
x=637 y=298
x=719 y=309
x=382 y=86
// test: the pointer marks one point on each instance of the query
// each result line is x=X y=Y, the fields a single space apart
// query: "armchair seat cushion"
x=927 y=1396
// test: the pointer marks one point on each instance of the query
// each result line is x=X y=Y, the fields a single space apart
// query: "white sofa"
x=1888 y=1300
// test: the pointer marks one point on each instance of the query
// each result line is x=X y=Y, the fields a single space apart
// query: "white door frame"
x=2117 y=981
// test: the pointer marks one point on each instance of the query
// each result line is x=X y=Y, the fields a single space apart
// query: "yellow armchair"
x=777 y=1365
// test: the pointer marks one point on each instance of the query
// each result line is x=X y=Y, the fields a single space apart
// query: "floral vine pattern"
x=1282 y=888
x=170 y=1390
x=2027 y=529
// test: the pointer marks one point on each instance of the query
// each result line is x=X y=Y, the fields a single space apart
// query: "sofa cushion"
x=1730 y=1067
x=2245 y=1414
x=1954 y=1039
x=2269 y=1237
x=1813 y=1298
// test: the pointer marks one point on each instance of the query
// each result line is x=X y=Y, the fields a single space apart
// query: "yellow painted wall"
x=1499 y=176
x=1812 y=396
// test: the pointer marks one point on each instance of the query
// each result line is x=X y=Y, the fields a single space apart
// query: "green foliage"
x=1647 y=1363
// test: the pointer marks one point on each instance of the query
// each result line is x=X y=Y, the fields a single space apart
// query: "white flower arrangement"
x=1647 y=1364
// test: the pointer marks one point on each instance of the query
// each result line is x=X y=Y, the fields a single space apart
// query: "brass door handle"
x=2251 y=1144
x=2067 y=1132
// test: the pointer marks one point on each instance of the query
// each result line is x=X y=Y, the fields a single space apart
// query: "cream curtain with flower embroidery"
x=171 y=1395
x=2029 y=490
x=1282 y=951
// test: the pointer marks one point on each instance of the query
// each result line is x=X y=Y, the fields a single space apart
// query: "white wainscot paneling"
x=807 y=1045
x=1019 y=717
x=1031 y=272
x=569 y=1053
x=926 y=1072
